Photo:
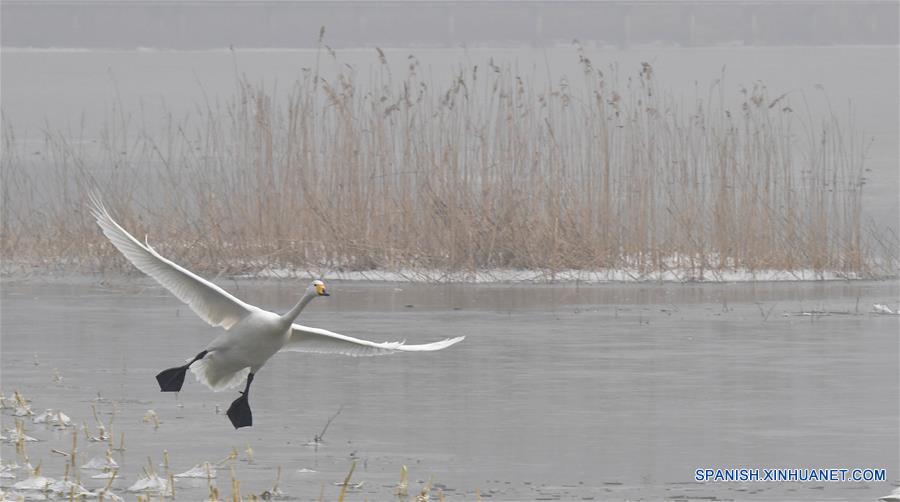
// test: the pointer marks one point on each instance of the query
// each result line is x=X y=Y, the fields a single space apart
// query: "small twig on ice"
x=320 y=436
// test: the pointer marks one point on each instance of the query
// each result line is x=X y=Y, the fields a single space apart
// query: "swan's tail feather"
x=218 y=377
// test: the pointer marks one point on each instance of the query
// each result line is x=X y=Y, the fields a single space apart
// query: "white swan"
x=252 y=335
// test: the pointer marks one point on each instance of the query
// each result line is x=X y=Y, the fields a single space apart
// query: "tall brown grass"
x=487 y=170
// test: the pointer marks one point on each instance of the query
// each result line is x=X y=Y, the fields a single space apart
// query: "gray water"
x=604 y=392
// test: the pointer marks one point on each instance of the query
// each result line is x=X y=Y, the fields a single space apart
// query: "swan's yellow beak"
x=320 y=289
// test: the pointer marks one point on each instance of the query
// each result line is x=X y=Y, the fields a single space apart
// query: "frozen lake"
x=558 y=392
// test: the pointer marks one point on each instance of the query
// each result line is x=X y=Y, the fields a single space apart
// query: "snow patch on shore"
x=539 y=276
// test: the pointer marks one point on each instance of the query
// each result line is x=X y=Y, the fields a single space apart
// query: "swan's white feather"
x=212 y=303
x=322 y=341
x=217 y=376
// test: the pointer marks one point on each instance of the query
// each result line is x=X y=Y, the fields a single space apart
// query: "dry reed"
x=490 y=170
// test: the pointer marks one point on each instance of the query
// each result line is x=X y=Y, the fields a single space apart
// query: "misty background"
x=130 y=24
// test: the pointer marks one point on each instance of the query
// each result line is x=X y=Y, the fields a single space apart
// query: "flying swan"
x=252 y=335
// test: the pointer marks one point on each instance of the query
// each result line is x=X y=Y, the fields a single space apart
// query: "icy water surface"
x=558 y=392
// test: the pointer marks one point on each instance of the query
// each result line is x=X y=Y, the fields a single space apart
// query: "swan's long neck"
x=292 y=314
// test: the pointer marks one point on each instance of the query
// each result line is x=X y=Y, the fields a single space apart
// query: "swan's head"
x=318 y=287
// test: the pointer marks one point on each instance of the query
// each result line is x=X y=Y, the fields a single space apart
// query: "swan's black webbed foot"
x=239 y=412
x=172 y=379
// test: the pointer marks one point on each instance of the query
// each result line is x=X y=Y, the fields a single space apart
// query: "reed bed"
x=491 y=169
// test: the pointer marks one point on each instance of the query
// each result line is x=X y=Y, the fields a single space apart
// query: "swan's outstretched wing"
x=321 y=341
x=212 y=303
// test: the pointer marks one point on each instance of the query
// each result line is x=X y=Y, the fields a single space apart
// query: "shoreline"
x=25 y=271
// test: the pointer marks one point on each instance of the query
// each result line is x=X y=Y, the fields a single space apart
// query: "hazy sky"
x=262 y=23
